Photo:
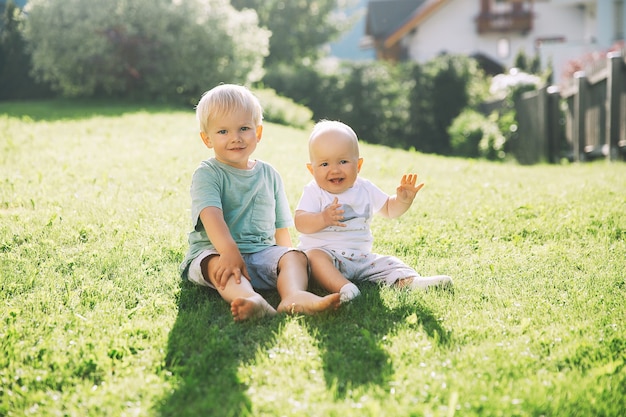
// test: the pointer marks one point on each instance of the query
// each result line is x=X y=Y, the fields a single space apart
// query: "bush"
x=143 y=49
x=15 y=66
x=283 y=110
x=407 y=105
x=491 y=145
x=474 y=135
x=465 y=132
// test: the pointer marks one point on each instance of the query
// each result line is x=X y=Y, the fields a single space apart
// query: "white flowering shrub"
x=504 y=84
x=143 y=48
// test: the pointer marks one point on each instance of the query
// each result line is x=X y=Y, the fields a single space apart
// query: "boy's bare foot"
x=308 y=303
x=251 y=307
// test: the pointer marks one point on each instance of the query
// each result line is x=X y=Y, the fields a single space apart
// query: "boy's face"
x=335 y=162
x=233 y=137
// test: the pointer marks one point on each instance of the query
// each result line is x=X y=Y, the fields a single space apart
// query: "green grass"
x=96 y=322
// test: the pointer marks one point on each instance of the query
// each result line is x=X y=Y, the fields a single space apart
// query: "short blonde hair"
x=333 y=125
x=224 y=99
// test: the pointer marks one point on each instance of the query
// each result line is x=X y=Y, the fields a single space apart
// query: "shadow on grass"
x=206 y=348
x=76 y=109
x=353 y=341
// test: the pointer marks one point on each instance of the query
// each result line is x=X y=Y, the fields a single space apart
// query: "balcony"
x=516 y=21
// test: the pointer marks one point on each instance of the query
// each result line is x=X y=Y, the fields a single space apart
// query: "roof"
x=391 y=20
x=386 y=16
x=419 y=14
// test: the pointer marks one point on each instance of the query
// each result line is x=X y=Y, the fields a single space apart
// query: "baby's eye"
x=324 y=164
x=244 y=128
x=344 y=161
x=221 y=132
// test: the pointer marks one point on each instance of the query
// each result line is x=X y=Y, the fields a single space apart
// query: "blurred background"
x=531 y=80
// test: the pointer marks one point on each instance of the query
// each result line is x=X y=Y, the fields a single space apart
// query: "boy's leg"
x=245 y=303
x=292 y=285
x=323 y=271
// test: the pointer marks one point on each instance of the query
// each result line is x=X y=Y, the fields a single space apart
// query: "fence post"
x=613 y=88
x=578 y=138
x=553 y=129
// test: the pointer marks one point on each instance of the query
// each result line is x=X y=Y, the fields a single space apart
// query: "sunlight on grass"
x=95 y=320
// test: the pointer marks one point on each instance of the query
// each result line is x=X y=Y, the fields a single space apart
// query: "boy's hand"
x=408 y=188
x=230 y=265
x=333 y=215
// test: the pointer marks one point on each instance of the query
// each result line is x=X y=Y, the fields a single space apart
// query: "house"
x=494 y=31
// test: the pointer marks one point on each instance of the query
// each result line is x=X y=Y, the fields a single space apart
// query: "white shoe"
x=349 y=292
x=424 y=283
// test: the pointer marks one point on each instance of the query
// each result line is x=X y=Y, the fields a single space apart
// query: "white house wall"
x=452 y=29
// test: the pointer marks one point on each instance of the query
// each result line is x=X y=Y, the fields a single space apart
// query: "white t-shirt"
x=359 y=203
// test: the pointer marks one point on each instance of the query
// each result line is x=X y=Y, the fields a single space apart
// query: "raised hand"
x=408 y=188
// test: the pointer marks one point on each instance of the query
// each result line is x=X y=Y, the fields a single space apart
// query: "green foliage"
x=466 y=132
x=450 y=76
x=492 y=143
x=375 y=105
x=96 y=322
x=283 y=110
x=408 y=105
x=159 y=49
x=299 y=28
x=473 y=135
x=15 y=66
x=526 y=64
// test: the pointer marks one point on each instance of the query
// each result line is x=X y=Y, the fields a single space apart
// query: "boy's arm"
x=231 y=262
x=308 y=222
x=399 y=203
x=283 y=238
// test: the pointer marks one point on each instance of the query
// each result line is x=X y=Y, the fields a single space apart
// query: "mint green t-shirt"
x=253 y=202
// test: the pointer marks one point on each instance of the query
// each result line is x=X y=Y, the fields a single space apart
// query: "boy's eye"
x=221 y=132
x=345 y=161
x=243 y=129
x=324 y=164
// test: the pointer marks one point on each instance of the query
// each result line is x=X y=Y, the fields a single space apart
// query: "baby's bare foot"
x=251 y=307
x=307 y=303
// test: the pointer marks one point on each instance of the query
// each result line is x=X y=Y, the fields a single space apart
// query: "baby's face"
x=335 y=162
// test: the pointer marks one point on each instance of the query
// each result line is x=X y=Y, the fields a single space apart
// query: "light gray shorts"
x=262 y=267
x=360 y=266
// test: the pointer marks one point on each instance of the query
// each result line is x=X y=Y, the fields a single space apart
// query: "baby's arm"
x=231 y=262
x=307 y=222
x=399 y=203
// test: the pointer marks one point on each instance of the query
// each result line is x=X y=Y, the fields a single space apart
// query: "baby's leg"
x=245 y=303
x=292 y=286
x=424 y=283
x=323 y=271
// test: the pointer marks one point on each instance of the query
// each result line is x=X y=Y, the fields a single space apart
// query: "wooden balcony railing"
x=519 y=21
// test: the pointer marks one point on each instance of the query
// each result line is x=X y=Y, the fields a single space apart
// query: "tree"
x=299 y=27
x=15 y=66
x=161 y=49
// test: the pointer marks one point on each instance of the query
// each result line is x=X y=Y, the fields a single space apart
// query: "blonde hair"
x=333 y=125
x=224 y=99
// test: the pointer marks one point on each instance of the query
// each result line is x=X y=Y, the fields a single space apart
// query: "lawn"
x=94 y=211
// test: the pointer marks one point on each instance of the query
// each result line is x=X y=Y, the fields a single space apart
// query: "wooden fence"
x=583 y=121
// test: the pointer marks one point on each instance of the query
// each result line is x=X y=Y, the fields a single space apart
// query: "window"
x=504 y=48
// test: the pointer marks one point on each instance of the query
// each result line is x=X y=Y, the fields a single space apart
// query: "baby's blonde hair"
x=224 y=99
x=333 y=125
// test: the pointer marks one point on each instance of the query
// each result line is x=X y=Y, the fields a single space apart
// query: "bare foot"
x=251 y=307
x=308 y=303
